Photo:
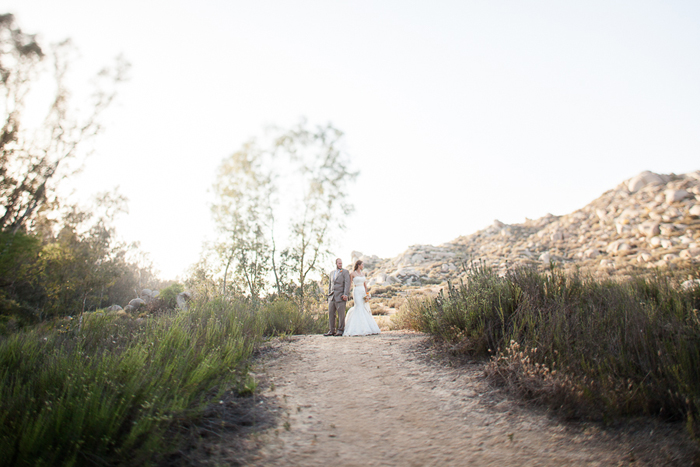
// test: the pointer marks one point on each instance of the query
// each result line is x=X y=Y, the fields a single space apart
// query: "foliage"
x=110 y=390
x=299 y=177
x=33 y=160
x=80 y=268
x=55 y=259
x=283 y=317
x=608 y=348
x=169 y=294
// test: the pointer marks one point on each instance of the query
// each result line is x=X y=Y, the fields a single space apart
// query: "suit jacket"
x=340 y=286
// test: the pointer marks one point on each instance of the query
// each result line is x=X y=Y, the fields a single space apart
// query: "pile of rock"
x=650 y=220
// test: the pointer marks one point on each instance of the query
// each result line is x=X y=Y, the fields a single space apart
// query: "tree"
x=325 y=173
x=55 y=259
x=244 y=187
x=34 y=160
x=296 y=177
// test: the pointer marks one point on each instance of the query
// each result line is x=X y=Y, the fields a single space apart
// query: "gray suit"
x=339 y=285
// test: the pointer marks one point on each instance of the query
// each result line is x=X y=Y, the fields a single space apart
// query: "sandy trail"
x=383 y=400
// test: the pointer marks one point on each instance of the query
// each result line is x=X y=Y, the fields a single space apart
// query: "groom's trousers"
x=338 y=307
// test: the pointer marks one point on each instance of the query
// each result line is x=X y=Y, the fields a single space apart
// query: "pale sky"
x=455 y=112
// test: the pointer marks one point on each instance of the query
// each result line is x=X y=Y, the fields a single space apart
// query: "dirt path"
x=384 y=400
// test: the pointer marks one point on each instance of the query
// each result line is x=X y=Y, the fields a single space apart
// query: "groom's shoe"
x=339 y=333
x=329 y=333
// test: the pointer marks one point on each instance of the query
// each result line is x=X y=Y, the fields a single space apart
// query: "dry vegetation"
x=587 y=347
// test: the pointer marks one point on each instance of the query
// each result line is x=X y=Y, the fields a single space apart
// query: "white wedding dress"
x=359 y=321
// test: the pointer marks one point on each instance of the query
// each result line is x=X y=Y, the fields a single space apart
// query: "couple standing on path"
x=359 y=320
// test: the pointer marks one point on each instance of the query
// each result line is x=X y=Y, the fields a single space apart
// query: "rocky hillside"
x=649 y=221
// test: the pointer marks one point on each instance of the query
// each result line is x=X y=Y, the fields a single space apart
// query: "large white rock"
x=695 y=210
x=591 y=253
x=618 y=247
x=666 y=243
x=645 y=178
x=417 y=259
x=649 y=228
x=675 y=195
x=545 y=257
x=693 y=252
x=379 y=279
x=392 y=279
x=643 y=257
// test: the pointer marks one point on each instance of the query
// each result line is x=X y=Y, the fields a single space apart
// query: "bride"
x=359 y=321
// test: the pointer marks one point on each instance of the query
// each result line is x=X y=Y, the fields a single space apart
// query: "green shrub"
x=283 y=317
x=106 y=390
x=610 y=348
x=169 y=295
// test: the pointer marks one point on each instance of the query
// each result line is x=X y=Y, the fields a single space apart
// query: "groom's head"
x=339 y=263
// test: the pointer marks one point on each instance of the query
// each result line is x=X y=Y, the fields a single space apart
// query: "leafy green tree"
x=297 y=176
x=244 y=187
x=55 y=259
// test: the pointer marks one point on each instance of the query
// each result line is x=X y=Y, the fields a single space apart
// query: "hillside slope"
x=649 y=221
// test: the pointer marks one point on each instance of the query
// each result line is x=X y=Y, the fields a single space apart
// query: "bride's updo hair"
x=357 y=264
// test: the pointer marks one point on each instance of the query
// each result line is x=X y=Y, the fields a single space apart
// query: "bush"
x=283 y=317
x=600 y=348
x=105 y=389
x=169 y=295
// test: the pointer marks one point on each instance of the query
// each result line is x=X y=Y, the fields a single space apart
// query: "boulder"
x=114 y=307
x=128 y=309
x=417 y=258
x=137 y=302
x=643 y=257
x=391 y=279
x=618 y=247
x=695 y=210
x=182 y=299
x=379 y=279
x=649 y=228
x=693 y=252
x=545 y=257
x=591 y=253
x=675 y=195
x=645 y=178
x=149 y=295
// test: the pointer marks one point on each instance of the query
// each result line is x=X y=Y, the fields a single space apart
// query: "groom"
x=338 y=292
